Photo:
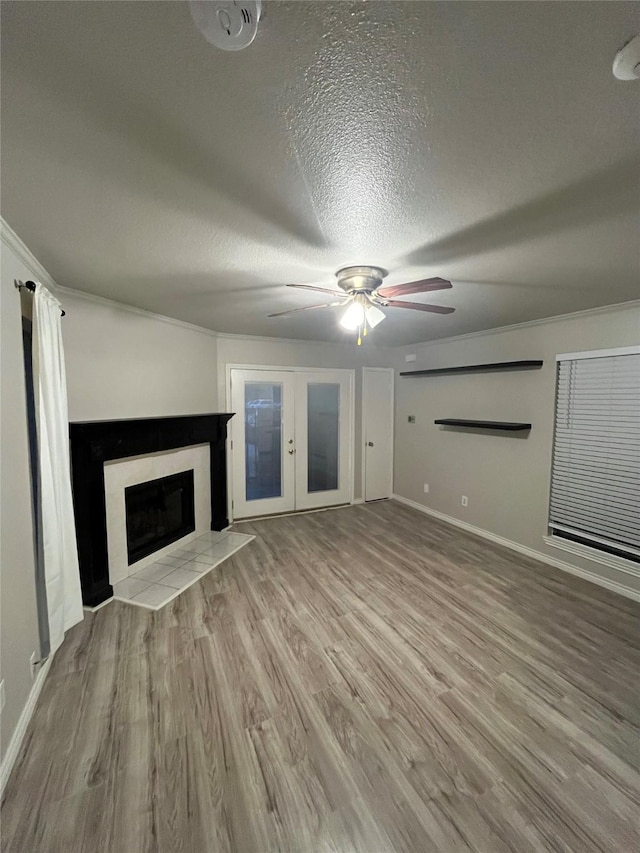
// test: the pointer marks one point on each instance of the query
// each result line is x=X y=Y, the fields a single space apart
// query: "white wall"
x=127 y=364
x=123 y=363
x=18 y=617
x=281 y=353
x=506 y=476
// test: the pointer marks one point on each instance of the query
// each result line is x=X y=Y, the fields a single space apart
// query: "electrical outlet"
x=465 y=500
x=1 y=695
x=411 y=419
x=33 y=664
x=426 y=488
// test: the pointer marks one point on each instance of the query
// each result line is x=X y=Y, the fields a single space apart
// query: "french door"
x=291 y=440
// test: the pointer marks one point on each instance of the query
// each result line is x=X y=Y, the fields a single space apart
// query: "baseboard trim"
x=614 y=586
x=19 y=732
x=618 y=564
x=288 y=514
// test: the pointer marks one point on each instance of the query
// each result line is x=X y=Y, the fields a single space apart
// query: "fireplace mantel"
x=95 y=442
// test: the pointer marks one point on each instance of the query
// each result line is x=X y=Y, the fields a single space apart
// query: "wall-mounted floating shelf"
x=478 y=368
x=509 y=426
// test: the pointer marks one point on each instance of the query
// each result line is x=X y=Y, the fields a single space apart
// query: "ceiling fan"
x=362 y=293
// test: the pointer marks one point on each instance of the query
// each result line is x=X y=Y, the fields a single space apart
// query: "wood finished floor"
x=363 y=679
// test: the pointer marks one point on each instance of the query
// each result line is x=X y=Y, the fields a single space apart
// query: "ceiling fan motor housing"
x=360 y=279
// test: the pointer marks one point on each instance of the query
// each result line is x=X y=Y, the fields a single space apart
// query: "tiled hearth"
x=158 y=583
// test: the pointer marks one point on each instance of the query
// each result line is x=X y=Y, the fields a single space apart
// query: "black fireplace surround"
x=95 y=442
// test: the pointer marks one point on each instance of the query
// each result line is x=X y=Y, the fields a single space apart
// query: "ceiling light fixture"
x=353 y=317
x=374 y=316
x=362 y=293
x=360 y=314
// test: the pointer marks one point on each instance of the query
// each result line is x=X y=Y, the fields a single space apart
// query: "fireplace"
x=129 y=453
x=158 y=513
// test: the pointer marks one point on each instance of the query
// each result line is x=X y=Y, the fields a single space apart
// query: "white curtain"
x=61 y=571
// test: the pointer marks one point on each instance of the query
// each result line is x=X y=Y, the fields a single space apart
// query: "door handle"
x=369 y=444
x=291 y=451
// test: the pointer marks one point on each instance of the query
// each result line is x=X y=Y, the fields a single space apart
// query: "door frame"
x=363 y=449
x=348 y=372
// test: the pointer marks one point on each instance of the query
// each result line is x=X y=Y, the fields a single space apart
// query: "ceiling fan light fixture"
x=374 y=316
x=353 y=317
x=363 y=292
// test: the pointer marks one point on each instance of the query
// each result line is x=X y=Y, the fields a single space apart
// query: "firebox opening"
x=158 y=513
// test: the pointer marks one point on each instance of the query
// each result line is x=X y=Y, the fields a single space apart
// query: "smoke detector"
x=626 y=65
x=227 y=24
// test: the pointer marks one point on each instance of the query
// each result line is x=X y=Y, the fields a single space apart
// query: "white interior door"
x=262 y=434
x=377 y=423
x=292 y=440
x=324 y=438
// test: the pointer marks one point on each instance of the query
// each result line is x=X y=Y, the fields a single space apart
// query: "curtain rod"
x=31 y=287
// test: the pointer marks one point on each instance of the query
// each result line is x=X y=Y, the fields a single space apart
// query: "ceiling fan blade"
x=321 y=289
x=424 y=286
x=306 y=308
x=420 y=306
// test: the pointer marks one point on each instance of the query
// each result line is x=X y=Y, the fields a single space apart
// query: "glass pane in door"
x=323 y=426
x=263 y=440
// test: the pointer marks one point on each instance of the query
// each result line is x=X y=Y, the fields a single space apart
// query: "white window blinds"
x=595 y=484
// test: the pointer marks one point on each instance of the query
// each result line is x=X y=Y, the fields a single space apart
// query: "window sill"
x=593 y=554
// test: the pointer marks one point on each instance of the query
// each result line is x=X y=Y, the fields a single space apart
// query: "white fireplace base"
x=120 y=473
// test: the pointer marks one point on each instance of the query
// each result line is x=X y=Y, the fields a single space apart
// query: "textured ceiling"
x=487 y=143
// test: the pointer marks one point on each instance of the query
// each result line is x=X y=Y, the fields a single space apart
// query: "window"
x=595 y=483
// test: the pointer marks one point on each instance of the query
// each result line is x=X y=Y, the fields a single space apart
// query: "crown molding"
x=16 y=245
x=142 y=312
x=557 y=318
x=13 y=242
x=131 y=309
x=306 y=341
x=123 y=306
